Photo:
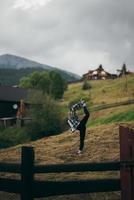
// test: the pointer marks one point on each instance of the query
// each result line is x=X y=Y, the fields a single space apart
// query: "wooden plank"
x=77 y=167
x=10 y=167
x=52 y=188
x=9 y=185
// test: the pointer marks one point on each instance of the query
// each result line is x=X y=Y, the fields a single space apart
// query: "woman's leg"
x=82 y=127
x=86 y=116
x=82 y=138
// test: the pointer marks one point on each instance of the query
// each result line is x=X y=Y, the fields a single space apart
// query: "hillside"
x=101 y=144
x=103 y=92
x=102 y=138
x=12 y=68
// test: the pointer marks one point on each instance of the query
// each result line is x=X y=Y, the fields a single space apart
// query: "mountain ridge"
x=18 y=62
x=9 y=62
x=6 y=59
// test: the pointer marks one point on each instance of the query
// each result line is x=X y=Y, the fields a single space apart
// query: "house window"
x=103 y=73
x=95 y=72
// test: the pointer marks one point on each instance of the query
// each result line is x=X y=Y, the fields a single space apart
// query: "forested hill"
x=13 y=68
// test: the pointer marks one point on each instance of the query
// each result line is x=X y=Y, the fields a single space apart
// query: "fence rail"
x=29 y=188
x=9 y=185
x=27 y=184
x=78 y=167
x=116 y=104
x=52 y=188
x=10 y=167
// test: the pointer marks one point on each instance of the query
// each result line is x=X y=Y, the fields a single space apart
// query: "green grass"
x=120 y=117
x=12 y=136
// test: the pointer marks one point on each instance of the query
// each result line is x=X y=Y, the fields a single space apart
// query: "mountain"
x=12 y=61
x=14 y=65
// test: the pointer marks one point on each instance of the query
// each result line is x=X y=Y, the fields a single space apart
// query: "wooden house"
x=98 y=74
x=10 y=98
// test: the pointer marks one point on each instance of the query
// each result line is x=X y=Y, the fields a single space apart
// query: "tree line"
x=50 y=83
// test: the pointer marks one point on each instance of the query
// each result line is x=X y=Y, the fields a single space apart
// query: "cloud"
x=28 y=4
x=73 y=35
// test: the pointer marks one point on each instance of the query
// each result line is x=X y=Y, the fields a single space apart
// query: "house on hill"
x=98 y=74
x=11 y=101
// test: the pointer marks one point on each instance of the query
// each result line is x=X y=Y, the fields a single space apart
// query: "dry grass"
x=103 y=91
x=101 y=144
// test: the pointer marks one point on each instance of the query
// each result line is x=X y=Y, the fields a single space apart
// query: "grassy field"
x=101 y=142
x=103 y=91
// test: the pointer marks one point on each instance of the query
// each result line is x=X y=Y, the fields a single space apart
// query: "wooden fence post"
x=27 y=175
x=127 y=155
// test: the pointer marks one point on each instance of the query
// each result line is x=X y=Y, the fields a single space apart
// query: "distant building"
x=10 y=102
x=98 y=74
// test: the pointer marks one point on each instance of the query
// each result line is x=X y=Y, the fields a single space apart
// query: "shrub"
x=86 y=86
x=47 y=118
x=12 y=136
x=103 y=91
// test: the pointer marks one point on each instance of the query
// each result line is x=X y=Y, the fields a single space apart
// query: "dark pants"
x=82 y=127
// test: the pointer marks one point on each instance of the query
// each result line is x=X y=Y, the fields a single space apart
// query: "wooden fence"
x=29 y=188
x=111 y=105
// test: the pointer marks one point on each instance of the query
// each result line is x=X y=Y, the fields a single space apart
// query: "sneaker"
x=79 y=152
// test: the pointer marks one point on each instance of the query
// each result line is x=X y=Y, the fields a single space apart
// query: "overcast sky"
x=75 y=35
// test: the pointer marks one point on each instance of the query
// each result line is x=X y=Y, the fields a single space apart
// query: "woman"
x=77 y=124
